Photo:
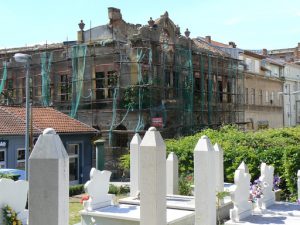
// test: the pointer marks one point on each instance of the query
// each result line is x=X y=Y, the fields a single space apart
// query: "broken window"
x=64 y=87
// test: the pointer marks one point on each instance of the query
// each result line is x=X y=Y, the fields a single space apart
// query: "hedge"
x=277 y=147
x=113 y=189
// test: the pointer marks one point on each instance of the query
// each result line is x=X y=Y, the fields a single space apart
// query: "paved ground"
x=281 y=213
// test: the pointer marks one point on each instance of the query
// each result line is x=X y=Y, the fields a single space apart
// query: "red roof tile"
x=12 y=121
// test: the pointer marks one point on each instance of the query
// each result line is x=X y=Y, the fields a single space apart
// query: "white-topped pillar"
x=172 y=174
x=49 y=181
x=153 y=179
x=135 y=165
x=205 y=182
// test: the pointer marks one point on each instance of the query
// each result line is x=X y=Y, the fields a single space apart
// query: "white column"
x=205 y=182
x=153 y=179
x=219 y=153
x=298 y=183
x=135 y=165
x=49 y=181
x=172 y=174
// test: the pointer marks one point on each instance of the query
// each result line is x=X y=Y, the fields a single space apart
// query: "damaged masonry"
x=123 y=78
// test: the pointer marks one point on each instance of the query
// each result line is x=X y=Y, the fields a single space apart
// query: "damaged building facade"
x=122 y=78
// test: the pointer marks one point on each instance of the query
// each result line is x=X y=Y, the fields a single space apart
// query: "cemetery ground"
x=75 y=202
x=254 y=157
x=74 y=207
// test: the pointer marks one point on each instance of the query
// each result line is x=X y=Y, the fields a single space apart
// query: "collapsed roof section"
x=160 y=30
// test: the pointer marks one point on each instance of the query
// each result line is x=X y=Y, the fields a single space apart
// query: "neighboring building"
x=291 y=94
x=76 y=137
x=291 y=55
x=122 y=78
x=290 y=58
x=263 y=85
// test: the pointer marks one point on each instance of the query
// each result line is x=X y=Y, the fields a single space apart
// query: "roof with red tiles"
x=12 y=121
x=219 y=44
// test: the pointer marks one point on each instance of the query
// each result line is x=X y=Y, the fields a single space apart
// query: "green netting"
x=46 y=61
x=140 y=54
x=78 y=68
x=4 y=77
x=209 y=91
x=114 y=111
x=184 y=66
x=202 y=88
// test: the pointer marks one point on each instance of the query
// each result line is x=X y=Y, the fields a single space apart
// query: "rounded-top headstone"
x=49 y=131
x=298 y=174
x=152 y=129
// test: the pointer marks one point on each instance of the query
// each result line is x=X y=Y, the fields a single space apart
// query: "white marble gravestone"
x=266 y=178
x=49 y=181
x=240 y=195
x=219 y=154
x=205 y=182
x=152 y=209
x=135 y=165
x=172 y=174
x=153 y=179
x=14 y=194
x=243 y=166
x=97 y=188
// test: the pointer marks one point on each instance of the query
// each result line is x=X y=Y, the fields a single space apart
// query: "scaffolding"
x=122 y=89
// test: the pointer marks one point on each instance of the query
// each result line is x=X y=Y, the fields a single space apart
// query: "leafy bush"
x=184 y=185
x=277 y=147
x=14 y=177
x=125 y=162
x=121 y=190
x=76 y=190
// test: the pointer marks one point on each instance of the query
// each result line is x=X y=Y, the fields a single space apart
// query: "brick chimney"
x=208 y=39
x=232 y=44
x=265 y=52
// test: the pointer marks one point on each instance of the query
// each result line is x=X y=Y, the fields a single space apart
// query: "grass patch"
x=74 y=208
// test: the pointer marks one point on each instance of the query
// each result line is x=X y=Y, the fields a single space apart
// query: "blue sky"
x=251 y=24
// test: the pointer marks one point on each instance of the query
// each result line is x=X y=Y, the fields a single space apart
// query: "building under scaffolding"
x=123 y=78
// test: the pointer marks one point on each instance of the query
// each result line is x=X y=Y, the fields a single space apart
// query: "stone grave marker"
x=97 y=188
x=240 y=195
x=266 y=178
x=135 y=165
x=49 y=181
x=205 y=182
x=153 y=179
x=152 y=209
x=172 y=174
x=219 y=154
x=243 y=166
x=14 y=194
